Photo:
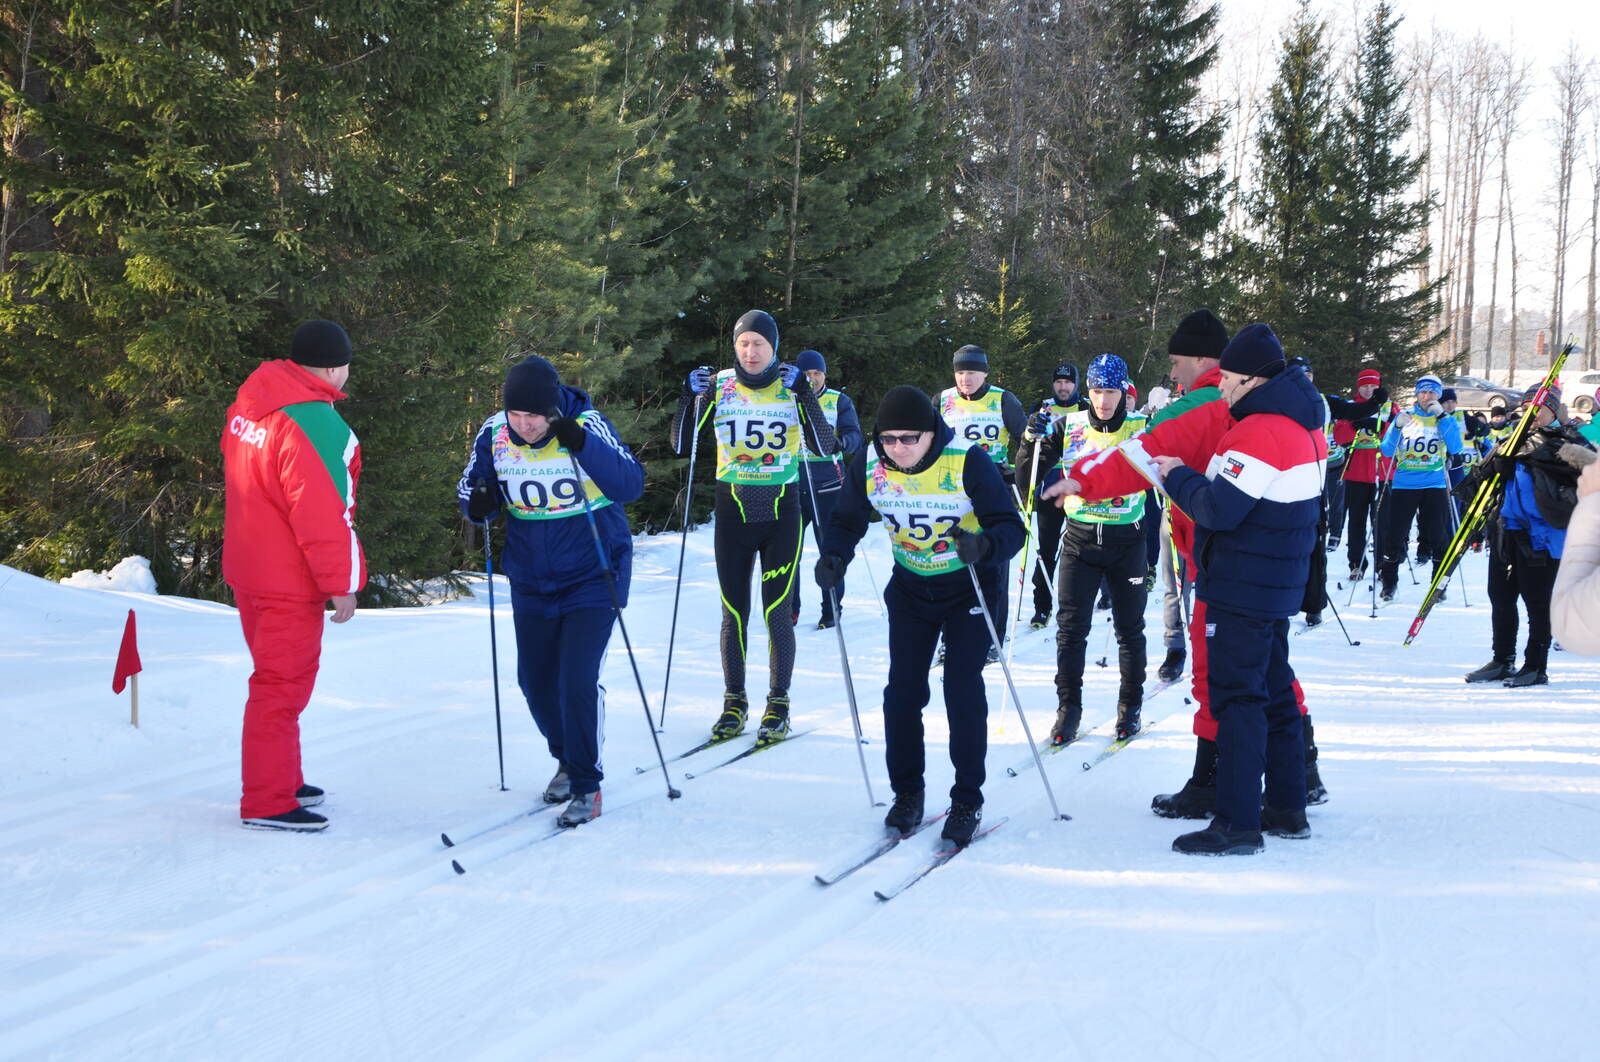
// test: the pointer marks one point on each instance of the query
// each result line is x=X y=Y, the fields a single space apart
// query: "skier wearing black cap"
x=1102 y=542
x=1039 y=439
x=825 y=469
x=992 y=418
x=548 y=458
x=945 y=508
x=758 y=410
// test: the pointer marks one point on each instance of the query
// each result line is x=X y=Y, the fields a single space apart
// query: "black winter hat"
x=905 y=408
x=1255 y=351
x=1066 y=371
x=760 y=322
x=970 y=358
x=321 y=345
x=532 y=386
x=1199 y=335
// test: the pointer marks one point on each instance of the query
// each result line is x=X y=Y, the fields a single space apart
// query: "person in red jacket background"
x=289 y=548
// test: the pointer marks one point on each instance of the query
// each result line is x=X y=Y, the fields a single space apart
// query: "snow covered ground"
x=1447 y=906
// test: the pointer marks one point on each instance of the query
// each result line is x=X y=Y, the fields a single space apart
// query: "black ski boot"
x=1219 y=839
x=905 y=814
x=1313 y=619
x=1127 y=720
x=1040 y=621
x=1172 y=666
x=1198 y=797
x=774 y=721
x=735 y=710
x=1316 y=792
x=1493 y=671
x=1528 y=676
x=1386 y=592
x=1065 y=730
x=994 y=655
x=296 y=820
x=1285 y=822
x=309 y=796
x=962 y=822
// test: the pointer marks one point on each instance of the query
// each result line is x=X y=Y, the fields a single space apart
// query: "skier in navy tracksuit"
x=522 y=461
x=1256 y=510
x=946 y=508
x=823 y=474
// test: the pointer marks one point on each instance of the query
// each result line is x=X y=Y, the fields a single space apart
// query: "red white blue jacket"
x=1256 y=507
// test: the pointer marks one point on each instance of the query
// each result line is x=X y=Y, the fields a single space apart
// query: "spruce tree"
x=1378 y=227
x=1287 y=281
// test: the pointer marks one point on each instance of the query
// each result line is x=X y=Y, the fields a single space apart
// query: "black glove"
x=569 y=433
x=483 y=502
x=972 y=549
x=1038 y=425
x=1381 y=395
x=830 y=571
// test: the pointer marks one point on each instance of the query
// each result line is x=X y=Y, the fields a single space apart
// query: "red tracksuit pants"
x=285 y=639
x=1205 y=725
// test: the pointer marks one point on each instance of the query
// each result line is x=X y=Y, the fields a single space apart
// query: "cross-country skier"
x=1367 y=474
x=522 y=463
x=757 y=411
x=1422 y=441
x=1256 y=508
x=1038 y=439
x=289 y=549
x=946 y=509
x=1102 y=541
x=992 y=418
x=825 y=470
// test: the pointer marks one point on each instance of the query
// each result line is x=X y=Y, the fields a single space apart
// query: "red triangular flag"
x=127 y=656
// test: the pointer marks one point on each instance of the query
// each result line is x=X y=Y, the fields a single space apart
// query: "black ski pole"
x=838 y=630
x=683 y=546
x=1341 y=623
x=616 y=607
x=1016 y=700
x=494 y=654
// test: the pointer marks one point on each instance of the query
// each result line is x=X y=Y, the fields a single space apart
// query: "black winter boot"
x=1219 y=839
x=1127 y=720
x=1198 y=797
x=1316 y=792
x=1285 y=822
x=962 y=822
x=1493 y=671
x=1065 y=730
x=1172 y=666
x=1528 y=676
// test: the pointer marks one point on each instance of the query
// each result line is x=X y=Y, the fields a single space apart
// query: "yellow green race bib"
x=921 y=511
x=1080 y=439
x=757 y=430
x=538 y=482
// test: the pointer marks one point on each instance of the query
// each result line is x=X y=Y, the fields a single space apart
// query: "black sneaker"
x=774 y=721
x=297 y=821
x=1526 y=677
x=1219 y=839
x=905 y=814
x=1493 y=671
x=1172 y=667
x=962 y=823
x=1333 y=544
x=1313 y=619
x=735 y=710
x=1127 y=721
x=309 y=796
x=1386 y=594
x=1065 y=730
x=1285 y=822
x=1040 y=621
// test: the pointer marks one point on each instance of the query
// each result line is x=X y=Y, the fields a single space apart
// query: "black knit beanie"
x=905 y=408
x=759 y=322
x=532 y=386
x=1066 y=371
x=1255 y=351
x=971 y=359
x=321 y=345
x=1199 y=335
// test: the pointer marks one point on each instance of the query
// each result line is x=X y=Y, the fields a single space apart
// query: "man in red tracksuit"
x=1193 y=435
x=289 y=547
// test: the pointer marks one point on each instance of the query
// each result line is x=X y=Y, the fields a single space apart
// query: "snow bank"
x=131 y=574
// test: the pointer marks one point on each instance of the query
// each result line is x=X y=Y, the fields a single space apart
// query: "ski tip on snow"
x=448 y=843
x=457 y=867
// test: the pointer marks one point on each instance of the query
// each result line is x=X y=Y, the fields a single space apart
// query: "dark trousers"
x=1333 y=498
x=737 y=545
x=1152 y=530
x=1258 y=719
x=558 y=668
x=1516 y=570
x=826 y=500
x=1361 y=503
x=916 y=622
x=1049 y=544
x=1429 y=506
x=1115 y=555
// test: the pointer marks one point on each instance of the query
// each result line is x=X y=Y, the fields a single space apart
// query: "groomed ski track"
x=1446 y=904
